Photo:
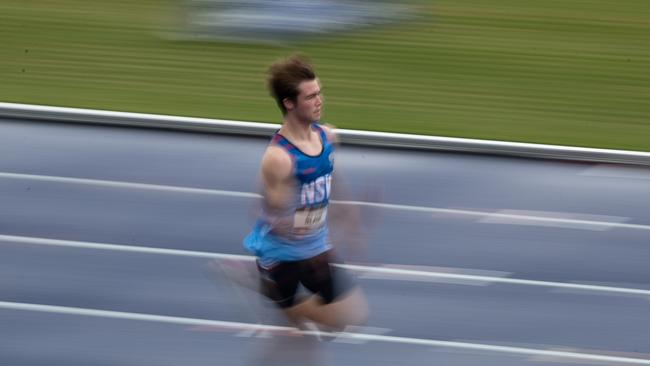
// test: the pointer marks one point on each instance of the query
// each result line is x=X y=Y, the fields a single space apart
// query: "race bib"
x=309 y=219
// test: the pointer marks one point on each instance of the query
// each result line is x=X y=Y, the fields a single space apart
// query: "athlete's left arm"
x=330 y=132
x=345 y=218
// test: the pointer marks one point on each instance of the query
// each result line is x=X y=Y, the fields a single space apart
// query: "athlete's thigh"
x=280 y=283
x=320 y=276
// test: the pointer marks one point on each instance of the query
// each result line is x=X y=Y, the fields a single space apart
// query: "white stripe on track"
x=434 y=210
x=130 y=185
x=560 y=219
x=496 y=215
x=375 y=268
x=344 y=335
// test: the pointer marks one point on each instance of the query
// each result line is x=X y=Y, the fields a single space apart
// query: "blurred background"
x=559 y=71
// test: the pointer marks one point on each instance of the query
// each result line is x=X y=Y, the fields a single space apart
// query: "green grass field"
x=571 y=72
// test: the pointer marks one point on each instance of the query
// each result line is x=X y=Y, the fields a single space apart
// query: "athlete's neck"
x=298 y=131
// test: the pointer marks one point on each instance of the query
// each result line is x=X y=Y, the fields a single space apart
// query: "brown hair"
x=284 y=77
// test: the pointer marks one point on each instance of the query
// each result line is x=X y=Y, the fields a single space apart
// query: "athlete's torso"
x=313 y=178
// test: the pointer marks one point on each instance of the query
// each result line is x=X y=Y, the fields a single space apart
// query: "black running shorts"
x=317 y=274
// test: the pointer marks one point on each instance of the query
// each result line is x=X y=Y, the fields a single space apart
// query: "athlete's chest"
x=313 y=149
x=312 y=168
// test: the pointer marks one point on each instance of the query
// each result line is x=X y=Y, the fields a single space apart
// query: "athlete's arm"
x=279 y=188
x=345 y=220
x=330 y=133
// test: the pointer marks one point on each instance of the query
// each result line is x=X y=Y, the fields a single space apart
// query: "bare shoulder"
x=276 y=164
x=330 y=131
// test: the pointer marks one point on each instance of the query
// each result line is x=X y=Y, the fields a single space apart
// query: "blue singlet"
x=309 y=236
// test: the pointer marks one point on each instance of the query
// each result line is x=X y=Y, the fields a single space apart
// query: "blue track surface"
x=585 y=241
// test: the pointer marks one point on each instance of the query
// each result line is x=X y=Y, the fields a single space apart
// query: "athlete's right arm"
x=279 y=188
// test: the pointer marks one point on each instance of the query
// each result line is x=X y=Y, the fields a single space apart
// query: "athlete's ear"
x=288 y=103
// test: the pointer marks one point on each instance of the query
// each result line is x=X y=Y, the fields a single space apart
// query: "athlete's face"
x=309 y=103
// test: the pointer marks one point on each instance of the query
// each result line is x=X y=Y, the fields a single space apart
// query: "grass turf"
x=572 y=72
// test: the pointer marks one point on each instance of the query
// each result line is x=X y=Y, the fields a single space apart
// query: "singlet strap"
x=282 y=141
x=321 y=131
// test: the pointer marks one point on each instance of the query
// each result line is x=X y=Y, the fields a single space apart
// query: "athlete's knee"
x=352 y=308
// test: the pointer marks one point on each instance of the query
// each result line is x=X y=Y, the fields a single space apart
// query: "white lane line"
x=236 y=326
x=130 y=185
x=121 y=248
x=433 y=210
x=363 y=269
x=559 y=219
x=138 y=316
x=429 y=269
x=511 y=281
x=493 y=215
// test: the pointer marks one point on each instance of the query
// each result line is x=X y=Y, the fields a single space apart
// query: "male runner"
x=290 y=238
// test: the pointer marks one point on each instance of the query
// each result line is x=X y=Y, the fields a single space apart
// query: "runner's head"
x=295 y=87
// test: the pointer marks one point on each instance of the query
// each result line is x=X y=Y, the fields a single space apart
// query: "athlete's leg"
x=350 y=309
x=279 y=283
x=337 y=302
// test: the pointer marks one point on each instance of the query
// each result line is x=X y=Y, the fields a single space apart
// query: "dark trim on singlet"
x=279 y=139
